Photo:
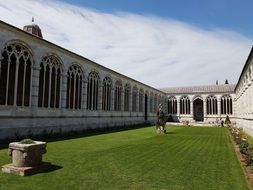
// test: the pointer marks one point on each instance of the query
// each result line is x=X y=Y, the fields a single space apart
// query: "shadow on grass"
x=47 y=168
x=170 y=133
x=52 y=137
x=52 y=168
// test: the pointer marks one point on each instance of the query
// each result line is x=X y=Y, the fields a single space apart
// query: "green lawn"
x=185 y=158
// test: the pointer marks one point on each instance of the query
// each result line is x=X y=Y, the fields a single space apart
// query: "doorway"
x=198 y=111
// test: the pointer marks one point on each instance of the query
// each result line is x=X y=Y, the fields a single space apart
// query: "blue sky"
x=228 y=14
x=160 y=43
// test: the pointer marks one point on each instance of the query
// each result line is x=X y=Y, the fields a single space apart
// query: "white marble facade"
x=201 y=103
x=63 y=91
x=243 y=97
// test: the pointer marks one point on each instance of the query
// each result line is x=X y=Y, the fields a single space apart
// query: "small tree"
x=227 y=120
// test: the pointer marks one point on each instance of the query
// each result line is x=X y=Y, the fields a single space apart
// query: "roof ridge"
x=200 y=89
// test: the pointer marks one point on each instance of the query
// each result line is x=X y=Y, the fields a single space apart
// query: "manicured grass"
x=185 y=158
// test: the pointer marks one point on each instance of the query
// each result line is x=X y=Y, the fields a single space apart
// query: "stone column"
x=63 y=90
x=112 y=99
x=84 y=96
x=204 y=107
x=130 y=101
x=123 y=101
x=191 y=109
x=100 y=86
x=219 y=106
x=148 y=105
x=137 y=102
x=34 y=90
x=178 y=108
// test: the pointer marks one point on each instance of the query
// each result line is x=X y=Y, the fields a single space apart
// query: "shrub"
x=27 y=141
x=186 y=122
x=243 y=146
x=227 y=120
x=250 y=157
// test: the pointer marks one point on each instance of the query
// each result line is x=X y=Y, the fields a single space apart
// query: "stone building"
x=46 y=88
x=244 y=97
x=200 y=103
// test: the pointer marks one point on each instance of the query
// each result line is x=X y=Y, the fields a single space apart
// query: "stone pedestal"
x=24 y=171
x=26 y=158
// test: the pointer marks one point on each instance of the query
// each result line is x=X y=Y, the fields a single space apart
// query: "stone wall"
x=244 y=97
x=21 y=120
x=208 y=118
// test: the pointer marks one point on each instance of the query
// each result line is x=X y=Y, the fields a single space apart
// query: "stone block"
x=26 y=159
x=25 y=171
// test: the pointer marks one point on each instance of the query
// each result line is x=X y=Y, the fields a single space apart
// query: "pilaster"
x=123 y=101
x=84 y=96
x=130 y=102
x=219 y=108
x=204 y=108
x=63 y=90
x=178 y=107
x=99 y=97
x=34 y=90
x=191 y=109
x=112 y=99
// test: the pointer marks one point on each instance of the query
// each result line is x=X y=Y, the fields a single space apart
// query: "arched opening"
x=146 y=107
x=74 y=87
x=15 y=75
x=106 y=94
x=134 y=99
x=141 y=100
x=92 y=91
x=50 y=82
x=117 y=96
x=127 y=97
x=198 y=113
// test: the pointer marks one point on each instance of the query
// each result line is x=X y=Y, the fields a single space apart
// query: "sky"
x=160 y=43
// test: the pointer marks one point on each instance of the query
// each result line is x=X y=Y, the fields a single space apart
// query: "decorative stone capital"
x=27 y=155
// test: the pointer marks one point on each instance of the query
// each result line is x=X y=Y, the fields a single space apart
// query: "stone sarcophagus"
x=26 y=158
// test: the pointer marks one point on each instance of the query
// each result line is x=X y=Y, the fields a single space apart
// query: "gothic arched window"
x=15 y=76
x=92 y=91
x=74 y=87
x=106 y=94
x=117 y=96
x=134 y=99
x=172 y=105
x=141 y=100
x=49 y=82
x=127 y=97
x=211 y=105
x=184 y=105
x=226 y=105
x=155 y=104
x=151 y=103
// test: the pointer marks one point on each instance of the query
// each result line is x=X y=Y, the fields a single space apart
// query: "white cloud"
x=159 y=52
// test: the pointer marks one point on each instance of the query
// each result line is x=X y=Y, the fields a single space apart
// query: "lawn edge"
x=246 y=171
